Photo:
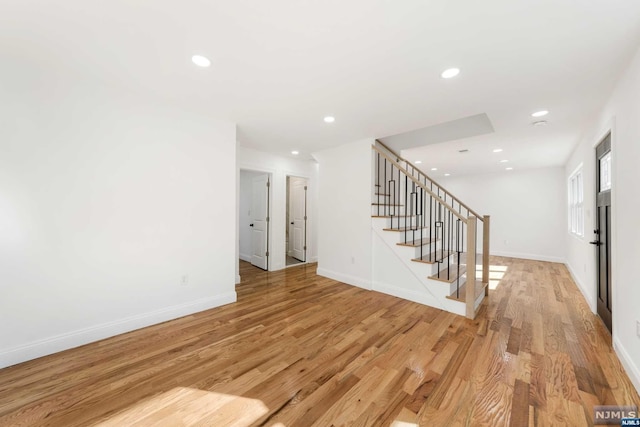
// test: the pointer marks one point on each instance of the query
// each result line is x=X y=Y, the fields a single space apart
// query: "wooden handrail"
x=471 y=211
x=420 y=184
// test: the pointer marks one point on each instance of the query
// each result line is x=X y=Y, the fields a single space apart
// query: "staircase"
x=429 y=233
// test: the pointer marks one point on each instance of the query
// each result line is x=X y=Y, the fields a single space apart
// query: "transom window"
x=605 y=172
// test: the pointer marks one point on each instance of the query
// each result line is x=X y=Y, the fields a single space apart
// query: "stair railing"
x=427 y=214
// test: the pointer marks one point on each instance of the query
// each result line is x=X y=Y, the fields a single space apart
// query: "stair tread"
x=462 y=295
x=453 y=274
x=385 y=204
x=383 y=194
x=389 y=216
x=433 y=257
x=419 y=242
x=403 y=229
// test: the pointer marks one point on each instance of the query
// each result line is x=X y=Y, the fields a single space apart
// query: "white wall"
x=244 y=219
x=621 y=116
x=280 y=167
x=527 y=208
x=106 y=201
x=344 y=227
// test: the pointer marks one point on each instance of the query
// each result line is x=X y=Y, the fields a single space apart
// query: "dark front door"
x=603 y=232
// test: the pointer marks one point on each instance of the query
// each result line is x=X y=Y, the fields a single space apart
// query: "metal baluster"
x=378 y=187
x=385 y=189
x=397 y=202
x=431 y=225
x=450 y=228
x=458 y=246
x=422 y=219
x=406 y=185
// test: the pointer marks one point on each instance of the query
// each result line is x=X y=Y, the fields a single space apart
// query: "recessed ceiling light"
x=504 y=161
x=540 y=123
x=447 y=174
x=329 y=119
x=498 y=150
x=449 y=73
x=295 y=152
x=434 y=169
x=508 y=169
x=200 y=61
x=418 y=162
x=540 y=113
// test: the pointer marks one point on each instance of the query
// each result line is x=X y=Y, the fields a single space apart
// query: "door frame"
x=288 y=175
x=604 y=199
x=288 y=219
x=269 y=213
x=609 y=127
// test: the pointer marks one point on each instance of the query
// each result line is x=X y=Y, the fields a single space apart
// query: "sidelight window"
x=576 y=203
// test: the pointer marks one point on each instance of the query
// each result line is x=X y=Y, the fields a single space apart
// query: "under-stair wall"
x=356 y=246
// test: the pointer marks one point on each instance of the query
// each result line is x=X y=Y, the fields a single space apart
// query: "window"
x=576 y=203
x=605 y=172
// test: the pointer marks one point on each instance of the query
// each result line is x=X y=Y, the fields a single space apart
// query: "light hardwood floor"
x=301 y=350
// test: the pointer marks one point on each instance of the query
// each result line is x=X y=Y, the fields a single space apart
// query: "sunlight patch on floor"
x=397 y=423
x=187 y=406
x=496 y=273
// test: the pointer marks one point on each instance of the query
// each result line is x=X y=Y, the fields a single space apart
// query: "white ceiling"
x=278 y=67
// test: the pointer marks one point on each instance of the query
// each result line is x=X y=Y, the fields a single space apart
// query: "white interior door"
x=260 y=222
x=298 y=218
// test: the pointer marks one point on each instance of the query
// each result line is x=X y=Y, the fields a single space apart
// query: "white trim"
x=313 y=259
x=627 y=362
x=84 y=336
x=582 y=288
x=238 y=279
x=345 y=278
x=577 y=169
x=535 y=257
x=245 y=257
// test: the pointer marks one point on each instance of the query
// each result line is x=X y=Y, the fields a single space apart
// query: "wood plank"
x=433 y=257
x=418 y=242
x=449 y=275
x=407 y=229
x=520 y=407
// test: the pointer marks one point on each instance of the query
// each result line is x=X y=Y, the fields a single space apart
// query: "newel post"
x=470 y=299
x=486 y=228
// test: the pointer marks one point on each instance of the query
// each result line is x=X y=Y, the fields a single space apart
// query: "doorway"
x=296 y=220
x=603 y=230
x=254 y=221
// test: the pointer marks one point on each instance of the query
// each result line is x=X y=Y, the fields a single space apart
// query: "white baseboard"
x=419 y=297
x=238 y=279
x=84 y=336
x=630 y=367
x=313 y=259
x=245 y=257
x=535 y=257
x=589 y=298
x=345 y=278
